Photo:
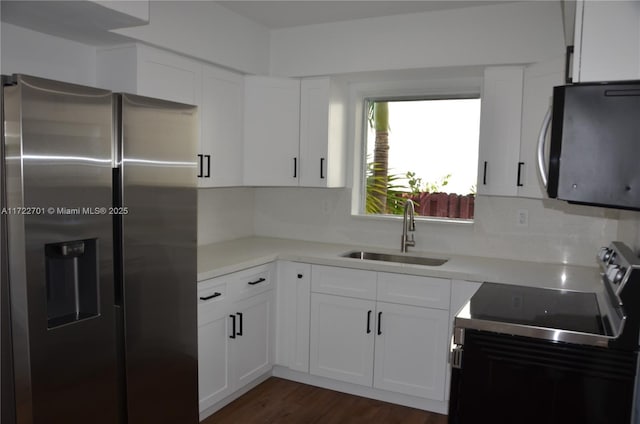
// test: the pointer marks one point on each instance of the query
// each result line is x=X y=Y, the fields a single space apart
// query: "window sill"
x=427 y=219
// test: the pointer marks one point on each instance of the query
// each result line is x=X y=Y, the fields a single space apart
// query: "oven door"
x=508 y=379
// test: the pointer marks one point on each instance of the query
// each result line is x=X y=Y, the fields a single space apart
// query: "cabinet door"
x=342 y=338
x=252 y=346
x=214 y=382
x=539 y=80
x=293 y=310
x=500 y=117
x=221 y=114
x=314 y=131
x=322 y=133
x=411 y=350
x=271 y=131
x=167 y=76
x=607 y=41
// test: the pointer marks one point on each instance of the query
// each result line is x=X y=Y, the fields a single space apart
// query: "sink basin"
x=386 y=257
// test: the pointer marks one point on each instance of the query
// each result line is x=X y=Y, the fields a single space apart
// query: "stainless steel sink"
x=387 y=257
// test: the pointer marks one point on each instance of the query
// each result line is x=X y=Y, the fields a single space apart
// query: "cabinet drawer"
x=250 y=282
x=343 y=282
x=212 y=304
x=414 y=290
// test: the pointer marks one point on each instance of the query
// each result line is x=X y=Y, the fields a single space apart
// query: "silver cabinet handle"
x=542 y=139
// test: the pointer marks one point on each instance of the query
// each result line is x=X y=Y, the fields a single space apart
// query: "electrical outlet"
x=522 y=218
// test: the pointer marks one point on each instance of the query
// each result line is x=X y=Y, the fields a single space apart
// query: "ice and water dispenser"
x=72 y=281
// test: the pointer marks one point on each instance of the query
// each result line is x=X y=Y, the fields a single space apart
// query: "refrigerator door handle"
x=118 y=264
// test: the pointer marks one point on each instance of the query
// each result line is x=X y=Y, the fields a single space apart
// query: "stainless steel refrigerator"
x=98 y=295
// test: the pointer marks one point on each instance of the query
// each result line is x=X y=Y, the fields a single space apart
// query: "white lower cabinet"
x=293 y=303
x=391 y=346
x=342 y=338
x=235 y=333
x=251 y=347
x=214 y=379
x=411 y=350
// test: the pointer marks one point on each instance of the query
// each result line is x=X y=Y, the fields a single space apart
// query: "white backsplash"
x=629 y=229
x=225 y=214
x=556 y=232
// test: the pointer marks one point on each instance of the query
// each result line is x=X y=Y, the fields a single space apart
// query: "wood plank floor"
x=287 y=402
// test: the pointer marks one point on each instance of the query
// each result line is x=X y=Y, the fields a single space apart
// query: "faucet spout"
x=408 y=225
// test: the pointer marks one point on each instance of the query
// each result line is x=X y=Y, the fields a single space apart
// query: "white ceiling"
x=286 y=14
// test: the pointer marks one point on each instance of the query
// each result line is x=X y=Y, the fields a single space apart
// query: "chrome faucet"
x=408 y=225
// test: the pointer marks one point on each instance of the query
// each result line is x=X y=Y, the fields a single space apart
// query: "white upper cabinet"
x=322 y=133
x=500 y=119
x=515 y=100
x=539 y=80
x=271 y=131
x=150 y=72
x=218 y=93
x=294 y=132
x=221 y=112
x=607 y=41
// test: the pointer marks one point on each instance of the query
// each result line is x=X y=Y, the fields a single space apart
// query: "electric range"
x=536 y=355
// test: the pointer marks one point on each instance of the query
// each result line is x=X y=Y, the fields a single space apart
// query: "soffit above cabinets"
x=287 y=14
x=91 y=22
x=88 y=22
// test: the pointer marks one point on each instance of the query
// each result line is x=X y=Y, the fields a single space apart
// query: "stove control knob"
x=604 y=254
x=612 y=271
x=619 y=276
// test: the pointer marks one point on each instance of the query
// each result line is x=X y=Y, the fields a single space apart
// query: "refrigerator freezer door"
x=59 y=158
x=157 y=154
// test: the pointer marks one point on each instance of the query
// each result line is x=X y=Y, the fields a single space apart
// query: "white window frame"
x=360 y=93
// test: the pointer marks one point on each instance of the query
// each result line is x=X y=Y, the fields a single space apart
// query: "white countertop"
x=231 y=256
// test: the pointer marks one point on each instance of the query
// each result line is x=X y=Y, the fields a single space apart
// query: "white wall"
x=29 y=52
x=207 y=31
x=519 y=32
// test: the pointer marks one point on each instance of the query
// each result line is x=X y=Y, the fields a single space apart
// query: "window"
x=425 y=150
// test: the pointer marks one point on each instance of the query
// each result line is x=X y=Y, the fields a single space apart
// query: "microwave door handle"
x=542 y=139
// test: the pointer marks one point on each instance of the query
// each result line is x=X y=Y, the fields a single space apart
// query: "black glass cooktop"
x=555 y=309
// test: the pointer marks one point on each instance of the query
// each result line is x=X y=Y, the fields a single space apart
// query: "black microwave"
x=594 y=152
